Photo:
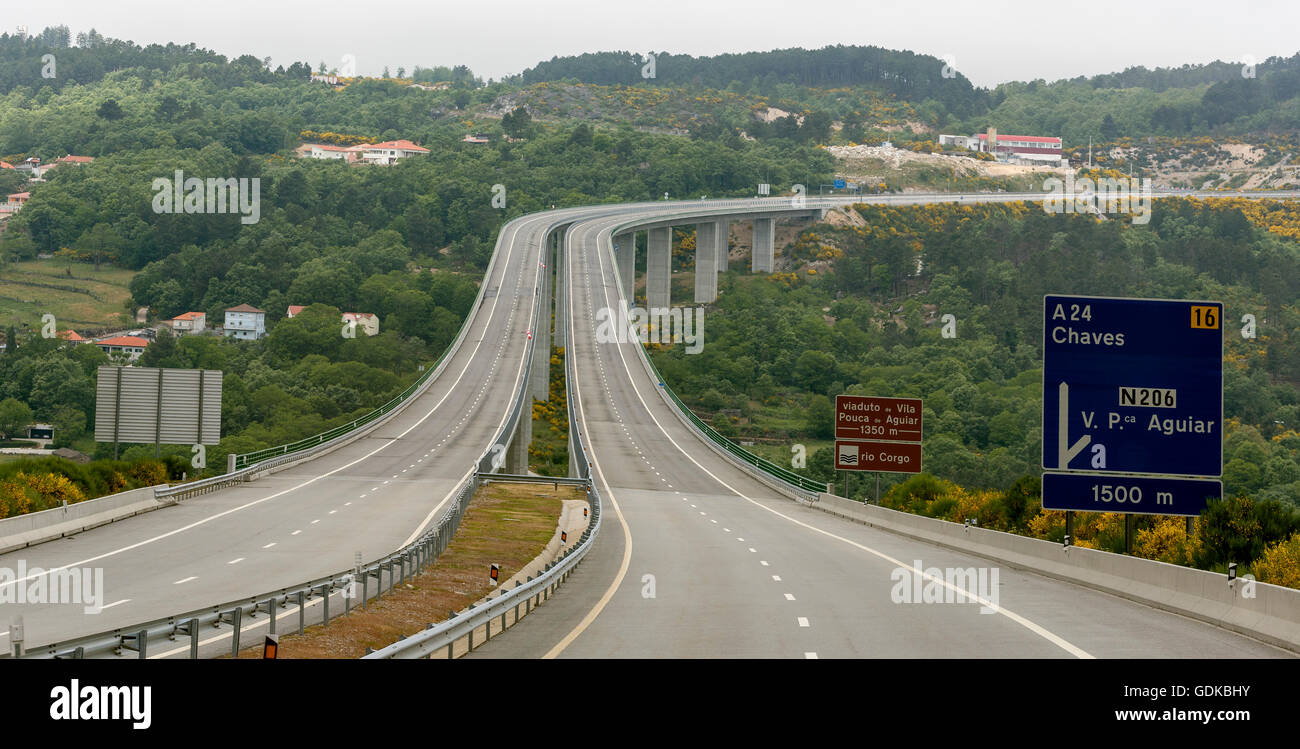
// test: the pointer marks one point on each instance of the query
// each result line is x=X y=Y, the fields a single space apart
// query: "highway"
x=739 y=570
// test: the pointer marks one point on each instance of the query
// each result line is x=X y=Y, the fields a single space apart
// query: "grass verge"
x=506 y=524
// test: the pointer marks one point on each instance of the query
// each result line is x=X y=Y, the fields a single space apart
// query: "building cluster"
x=35 y=171
x=244 y=322
x=1025 y=149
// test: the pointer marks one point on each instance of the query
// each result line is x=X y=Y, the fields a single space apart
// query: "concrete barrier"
x=47 y=525
x=1272 y=615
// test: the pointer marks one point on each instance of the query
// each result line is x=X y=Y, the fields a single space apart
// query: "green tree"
x=14 y=417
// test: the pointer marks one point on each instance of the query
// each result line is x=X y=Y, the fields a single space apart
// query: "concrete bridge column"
x=762 y=260
x=625 y=254
x=724 y=232
x=517 y=452
x=706 y=263
x=561 y=290
x=540 y=377
x=659 y=265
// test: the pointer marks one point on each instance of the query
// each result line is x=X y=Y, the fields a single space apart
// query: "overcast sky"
x=991 y=41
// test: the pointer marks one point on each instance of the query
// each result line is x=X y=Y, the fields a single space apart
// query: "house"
x=387 y=152
x=70 y=159
x=332 y=80
x=190 y=322
x=14 y=202
x=6 y=165
x=1034 y=148
x=476 y=138
x=367 y=321
x=245 y=322
x=130 y=346
x=71 y=336
x=324 y=151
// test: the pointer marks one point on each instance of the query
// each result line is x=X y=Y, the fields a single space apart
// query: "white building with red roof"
x=367 y=321
x=123 y=345
x=387 y=152
x=1027 y=147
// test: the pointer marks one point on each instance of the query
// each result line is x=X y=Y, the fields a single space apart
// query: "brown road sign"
x=891 y=457
x=870 y=417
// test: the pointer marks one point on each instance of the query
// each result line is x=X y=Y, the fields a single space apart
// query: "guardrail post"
x=140 y=640
x=302 y=612
x=325 y=594
x=234 y=616
x=365 y=589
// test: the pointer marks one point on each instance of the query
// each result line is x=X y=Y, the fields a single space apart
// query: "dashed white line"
x=789 y=596
x=236 y=560
x=114 y=603
x=803 y=622
x=273 y=543
x=186 y=579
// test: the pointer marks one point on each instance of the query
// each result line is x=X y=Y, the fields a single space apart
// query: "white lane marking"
x=789 y=596
x=333 y=511
x=186 y=579
x=295 y=533
x=810 y=656
x=273 y=543
x=726 y=530
x=347 y=504
x=237 y=560
x=803 y=622
x=764 y=563
x=753 y=550
x=317 y=520
x=776 y=578
x=114 y=603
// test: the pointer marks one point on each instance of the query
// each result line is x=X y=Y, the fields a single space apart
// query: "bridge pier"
x=763 y=256
x=659 y=264
x=706 y=262
x=540 y=377
x=517 y=452
x=724 y=234
x=561 y=291
x=625 y=254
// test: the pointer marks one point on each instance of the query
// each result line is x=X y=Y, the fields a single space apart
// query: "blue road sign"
x=1139 y=495
x=1132 y=385
x=840 y=184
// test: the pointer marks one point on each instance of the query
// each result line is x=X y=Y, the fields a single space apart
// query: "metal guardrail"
x=514 y=478
x=349 y=584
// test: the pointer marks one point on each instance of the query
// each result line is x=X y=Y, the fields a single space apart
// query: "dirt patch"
x=506 y=524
